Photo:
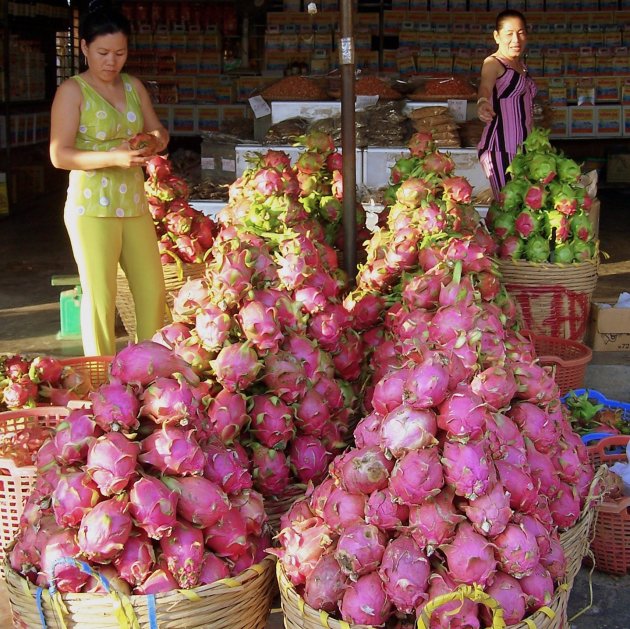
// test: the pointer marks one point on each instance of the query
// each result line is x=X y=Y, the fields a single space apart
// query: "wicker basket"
x=276 y=507
x=241 y=602
x=568 y=359
x=95 y=368
x=175 y=276
x=299 y=615
x=16 y=482
x=611 y=540
x=554 y=299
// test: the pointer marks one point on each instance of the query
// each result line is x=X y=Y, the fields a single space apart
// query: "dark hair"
x=102 y=19
x=508 y=14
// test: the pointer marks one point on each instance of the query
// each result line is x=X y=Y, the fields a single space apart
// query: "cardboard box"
x=609 y=329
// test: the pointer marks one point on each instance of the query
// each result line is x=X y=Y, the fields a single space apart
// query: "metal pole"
x=348 y=139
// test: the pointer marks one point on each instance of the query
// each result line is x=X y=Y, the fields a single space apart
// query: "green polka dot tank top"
x=107 y=192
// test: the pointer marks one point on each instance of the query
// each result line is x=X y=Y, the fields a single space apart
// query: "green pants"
x=99 y=245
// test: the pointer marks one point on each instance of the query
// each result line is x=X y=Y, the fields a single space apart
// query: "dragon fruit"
x=365 y=602
x=405 y=572
x=200 y=501
x=467 y=468
x=270 y=470
x=104 y=531
x=67 y=576
x=251 y=506
x=227 y=412
x=183 y=551
x=153 y=506
x=470 y=556
x=489 y=513
x=271 y=421
x=168 y=400
x=115 y=407
x=160 y=580
x=137 y=558
x=236 y=366
x=228 y=536
x=325 y=585
x=212 y=569
x=343 y=509
x=73 y=497
x=308 y=458
x=406 y=428
x=111 y=462
x=74 y=435
x=360 y=549
x=507 y=591
x=224 y=467
x=427 y=383
x=417 y=476
x=517 y=550
x=363 y=471
x=538 y=588
x=173 y=450
x=462 y=414
x=383 y=511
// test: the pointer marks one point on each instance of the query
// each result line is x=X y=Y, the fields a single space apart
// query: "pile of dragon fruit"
x=465 y=468
x=267 y=326
x=185 y=234
x=139 y=487
x=542 y=214
x=26 y=382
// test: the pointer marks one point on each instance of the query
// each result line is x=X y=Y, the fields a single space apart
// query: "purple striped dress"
x=512 y=101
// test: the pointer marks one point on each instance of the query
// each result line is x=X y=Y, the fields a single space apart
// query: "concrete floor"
x=34 y=247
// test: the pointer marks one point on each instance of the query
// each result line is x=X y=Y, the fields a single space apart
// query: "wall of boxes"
x=579 y=53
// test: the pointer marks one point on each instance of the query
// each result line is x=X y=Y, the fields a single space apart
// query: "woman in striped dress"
x=506 y=94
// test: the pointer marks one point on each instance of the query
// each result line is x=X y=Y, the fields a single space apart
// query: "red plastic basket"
x=568 y=359
x=16 y=482
x=96 y=368
x=611 y=542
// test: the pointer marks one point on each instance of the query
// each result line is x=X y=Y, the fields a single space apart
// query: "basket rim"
x=222 y=585
x=586 y=357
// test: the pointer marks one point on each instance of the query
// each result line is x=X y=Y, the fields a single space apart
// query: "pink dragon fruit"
x=383 y=511
x=343 y=509
x=565 y=506
x=555 y=560
x=496 y=386
x=21 y=393
x=183 y=551
x=236 y=366
x=490 y=512
x=543 y=471
x=271 y=421
x=535 y=383
x=462 y=414
x=251 y=506
x=325 y=585
x=143 y=362
x=45 y=369
x=536 y=424
x=517 y=550
x=213 y=327
x=224 y=468
x=153 y=506
x=368 y=430
x=417 y=476
x=115 y=407
x=111 y=462
x=365 y=602
x=137 y=558
x=160 y=580
x=285 y=376
x=507 y=591
x=260 y=326
x=407 y=428
x=360 y=549
x=270 y=470
x=212 y=569
x=538 y=588
x=363 y=470
x=66 y=575
x=75 y=494
x=518 y=482
x=105 y=529
x=74 y=435
x=405 y=572
x=389 y=391
x=467 y=468
x=470 y=556
x=427 y=383
x=308 y=458
x=228 y=536
x=314 y=360
x=228 y=413
x=168 y=400
x=173 y=450
x=312 y=414
x=200 y=501
x=95 y=585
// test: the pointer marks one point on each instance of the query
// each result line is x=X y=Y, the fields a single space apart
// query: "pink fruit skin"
x=270 y=470
x=406 y=428
x=384 y=512
x=224 y=467
x=427 y=383
x=115 y=405
x=228 y=413
x=137 y=558
x=517 y=550
x=212 y=569
x=325 y=585
x=538 y=588
x=467 y=468
x=417 y=476
x=365 y=602
x=470 y=556
x=67 y=577
x=360 y=549
x=74 y=435
x=111 y=462
x=228 y=536
x=153 y=506
x=271 y=421
x=405 y=572
x=160 y=580
x=183 y=550
x=309 y=458
x=173 y=450
x=490 y=512
x=363 y=470
x=200 y=501
x=73 y=497
x=507 y=591
x=104 y=531
x=343 y=509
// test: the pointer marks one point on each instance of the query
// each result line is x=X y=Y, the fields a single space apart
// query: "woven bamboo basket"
x=576 y=540
x=299 y=615
x=175 y=276
x=276 y=507
x=554 y=299
x=241 y=602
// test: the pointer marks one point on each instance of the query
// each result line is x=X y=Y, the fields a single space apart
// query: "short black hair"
x=508 y=14
x=103 y=19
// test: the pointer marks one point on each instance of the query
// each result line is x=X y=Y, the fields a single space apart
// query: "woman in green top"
x=106 y=214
